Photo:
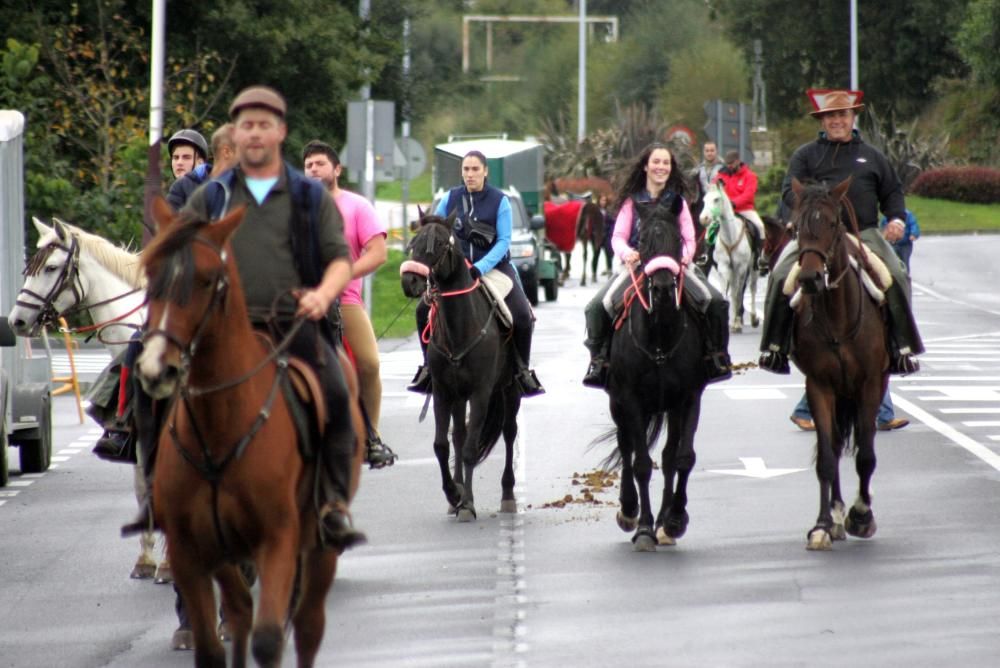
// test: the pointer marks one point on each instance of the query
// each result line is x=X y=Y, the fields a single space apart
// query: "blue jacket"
x=490 y=206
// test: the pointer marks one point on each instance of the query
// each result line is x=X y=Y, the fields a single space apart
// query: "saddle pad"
x=876 y=280
x=560 y=223
x=499 y=286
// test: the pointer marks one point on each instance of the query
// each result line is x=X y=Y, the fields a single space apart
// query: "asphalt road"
x=558 y=583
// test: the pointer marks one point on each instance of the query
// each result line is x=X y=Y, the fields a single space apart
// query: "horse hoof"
x=819 y=540
x=508 y=506
x=627 y=524
x=183 y=640
x=736 y=329
x=755 y=321
x=163 y=574
x=466 y=515
x=224 y=633
x=644 y=541
x=860 y=525
x=837 y=531
x=663 y=539
x=143 y=570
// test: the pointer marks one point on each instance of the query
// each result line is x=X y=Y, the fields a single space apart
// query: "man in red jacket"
x=741 y=187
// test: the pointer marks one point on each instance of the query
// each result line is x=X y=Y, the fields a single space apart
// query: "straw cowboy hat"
x=825 y=100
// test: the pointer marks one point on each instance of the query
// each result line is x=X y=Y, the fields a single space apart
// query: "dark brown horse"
x=592 y=232
x=839 y=344
x=777 y=234
x=229 y=482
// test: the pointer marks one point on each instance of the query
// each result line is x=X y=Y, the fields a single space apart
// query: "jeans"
x=885 y=409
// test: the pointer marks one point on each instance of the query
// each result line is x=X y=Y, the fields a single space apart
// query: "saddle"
x=307 y=404
x=695 y=293
x=496 y=285
x=875 y=275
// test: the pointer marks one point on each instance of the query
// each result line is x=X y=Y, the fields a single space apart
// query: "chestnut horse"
x=839 y=343
x=229 y=482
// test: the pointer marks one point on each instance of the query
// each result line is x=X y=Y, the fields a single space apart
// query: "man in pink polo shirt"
x=366 y=237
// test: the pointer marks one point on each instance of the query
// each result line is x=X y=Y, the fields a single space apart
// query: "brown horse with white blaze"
x=839 y=344
x=230 y=483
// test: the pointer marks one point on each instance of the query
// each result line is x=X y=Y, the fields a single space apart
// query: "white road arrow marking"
x=754 y=467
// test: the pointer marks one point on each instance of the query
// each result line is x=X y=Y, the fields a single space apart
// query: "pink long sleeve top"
x=623 y=230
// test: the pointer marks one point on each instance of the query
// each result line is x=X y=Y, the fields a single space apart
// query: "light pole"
x=854 y=45
x=581 y=103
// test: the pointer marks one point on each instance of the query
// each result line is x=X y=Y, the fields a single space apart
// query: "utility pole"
x=406 y=124
x=368 y=173
x=854 y=45
x=581 y=103
x=152 y=186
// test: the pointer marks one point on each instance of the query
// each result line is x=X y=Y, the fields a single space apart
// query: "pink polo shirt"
x=623 y=229
x=361 y=225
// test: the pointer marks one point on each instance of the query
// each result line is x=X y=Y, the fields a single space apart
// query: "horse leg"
x=468 y=454
x=237 y=606
x=737 y=284
x=819 y=537
x=195 y=586
x=752 y=280
x=276 y=565
x=309 y=620
x=565 y=272
x=508 y=504
x=583 y=279
x=860 y=520
x=145 y=564
x=459 y=433
x=678 y=459
x=596 y=257
x=628 y=513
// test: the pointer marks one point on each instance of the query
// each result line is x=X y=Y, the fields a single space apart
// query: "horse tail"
x=614 y=459
x=493 y=424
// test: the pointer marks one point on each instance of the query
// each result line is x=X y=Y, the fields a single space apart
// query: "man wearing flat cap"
x=291 y=241
x=839 y=153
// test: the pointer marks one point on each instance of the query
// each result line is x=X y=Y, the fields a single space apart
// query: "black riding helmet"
x=189 y=136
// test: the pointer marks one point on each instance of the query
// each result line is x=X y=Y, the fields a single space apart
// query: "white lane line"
x=994 y=437
x=982 y=423
x=960 y=411
x=949 y=432
x=751 y=394
x=19 y=483
x=69 y=451
x=2 y=501
x=60 y=459
x=8 y=493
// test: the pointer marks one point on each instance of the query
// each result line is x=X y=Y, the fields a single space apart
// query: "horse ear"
x=450 y=220
x=163 y=214
x=420 y=211
x=59 y=228
x=841 y=188
x=42 y=228
x=229 y=224
x=797 y=186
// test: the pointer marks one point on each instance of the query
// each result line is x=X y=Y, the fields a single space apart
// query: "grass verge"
x=393 y=313
x=940 y=216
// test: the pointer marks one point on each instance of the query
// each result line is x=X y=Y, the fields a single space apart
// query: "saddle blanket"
x=499 y=286
x=560 y=223
x=695 y=293
x=876 y=280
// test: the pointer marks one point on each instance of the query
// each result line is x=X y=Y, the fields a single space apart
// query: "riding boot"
x=527 y=381
x=149 y=416
x=776 y=337
x=421 y=383
x=904 y=339
x=598 y=342
x=718 y=365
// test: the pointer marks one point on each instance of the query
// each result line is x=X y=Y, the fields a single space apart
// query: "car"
x=532 y=259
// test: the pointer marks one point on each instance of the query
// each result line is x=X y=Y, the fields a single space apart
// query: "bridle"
x=68 y=279
x=658 y=355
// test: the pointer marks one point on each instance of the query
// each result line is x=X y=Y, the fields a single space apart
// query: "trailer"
x=25 y=379
x=517 y=168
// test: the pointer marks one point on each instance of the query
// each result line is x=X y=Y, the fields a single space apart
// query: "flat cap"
x=258 y=96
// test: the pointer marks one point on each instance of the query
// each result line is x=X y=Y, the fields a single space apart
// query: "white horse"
x=73 y=270
x=732 y=255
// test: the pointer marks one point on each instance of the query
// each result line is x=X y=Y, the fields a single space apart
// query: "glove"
x=474 y=271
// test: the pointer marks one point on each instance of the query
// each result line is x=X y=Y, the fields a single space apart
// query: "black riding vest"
x=484 y=205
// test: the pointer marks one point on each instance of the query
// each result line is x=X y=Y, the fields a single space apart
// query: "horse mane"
x=121 y=262
x=173 y=247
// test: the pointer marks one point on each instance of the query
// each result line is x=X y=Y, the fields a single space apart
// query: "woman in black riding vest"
x=483 y=228
x=652 y=178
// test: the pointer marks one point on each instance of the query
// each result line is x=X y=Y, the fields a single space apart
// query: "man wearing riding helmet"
x=187 y=149
x=483 y=228
x=837 y=154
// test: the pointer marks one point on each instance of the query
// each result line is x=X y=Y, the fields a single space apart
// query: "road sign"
x=384 y=121
x=410 y=158
x=728 y=125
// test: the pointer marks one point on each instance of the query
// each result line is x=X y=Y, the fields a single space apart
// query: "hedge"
x=975 y=185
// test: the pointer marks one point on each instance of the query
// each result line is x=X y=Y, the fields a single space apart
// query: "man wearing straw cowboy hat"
x=839 y=153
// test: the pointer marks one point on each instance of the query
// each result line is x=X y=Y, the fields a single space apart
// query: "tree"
x=979 y=40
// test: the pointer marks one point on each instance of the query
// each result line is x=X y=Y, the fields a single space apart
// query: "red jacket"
x=741 y=187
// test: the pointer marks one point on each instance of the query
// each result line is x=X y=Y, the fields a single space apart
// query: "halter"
x=69 y=279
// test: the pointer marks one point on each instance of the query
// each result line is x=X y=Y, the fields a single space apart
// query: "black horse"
x=471 y=360
x=656 y=376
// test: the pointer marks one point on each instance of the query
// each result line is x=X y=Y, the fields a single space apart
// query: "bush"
x=975 y=185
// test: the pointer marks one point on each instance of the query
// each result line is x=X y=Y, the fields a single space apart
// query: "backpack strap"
x=217 y=194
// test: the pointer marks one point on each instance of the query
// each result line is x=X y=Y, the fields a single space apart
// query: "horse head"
x=816 y=216
x=190 y=271
x=51 y=280
x=660 y=249
x=434 y=255
x=716 y=206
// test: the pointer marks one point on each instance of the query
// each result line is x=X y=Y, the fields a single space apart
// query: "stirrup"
x=597 y=373
x=336 y=530
x=528 y=384
x=774 y=361
x=378 y=454
x=421 y=383
x=904 y=364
